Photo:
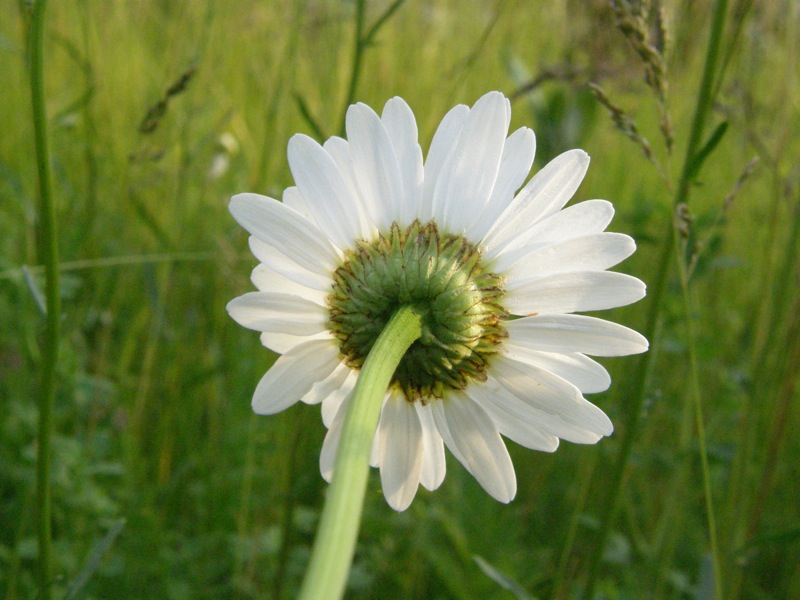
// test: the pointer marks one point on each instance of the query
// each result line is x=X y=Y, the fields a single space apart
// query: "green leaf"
x=707 y=149
x=309 y=118
x=501 y=579
x=35 y=290
x=93 y=562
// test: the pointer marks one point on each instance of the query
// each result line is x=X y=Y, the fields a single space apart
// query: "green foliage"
x=160 y=111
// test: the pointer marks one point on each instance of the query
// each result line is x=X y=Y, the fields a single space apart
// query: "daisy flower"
x=497 y=269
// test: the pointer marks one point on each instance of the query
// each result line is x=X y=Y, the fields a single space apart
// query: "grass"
x=165 y=485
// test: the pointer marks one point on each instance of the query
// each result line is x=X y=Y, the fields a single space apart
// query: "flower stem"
x=341 y=517
x=48 y=253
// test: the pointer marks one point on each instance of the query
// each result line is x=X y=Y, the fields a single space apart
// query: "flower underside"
x=442 y=275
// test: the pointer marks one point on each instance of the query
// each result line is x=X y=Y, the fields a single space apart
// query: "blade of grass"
x=708 y=148
x=111 y=261
x=781 y=417
x=291 y=475
x=93 y=562
x=48 y=252
x=283 y=80
x=309 y=118
x=34 y=289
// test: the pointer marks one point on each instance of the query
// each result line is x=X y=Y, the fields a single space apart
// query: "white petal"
x=330 y=385
x=527 y=434
x=588 y=376
x=267 y=279
x=278 y=273
x=575 y=333
x=330 y=445
x=434 y=465
x=294 y=199
x=528 y=413
x=281 y=343
x=339 y=151
x=325 y=191
x=281 y=263
x=293 y=374
x=578 y=220
x=472 y=436
x=439 y=419
x=332 y=402
x=282 y=313
x=550 y=393
x=468 y=176
x=374 y=452
x=547 y=192
x=595 y=252
x=401 y=126
x=515 y=165
x=375 y=164
x=400 y=451
x=285 y=229
x=442 y=144
x=573 y=292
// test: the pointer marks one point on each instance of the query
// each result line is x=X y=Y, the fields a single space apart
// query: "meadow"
x=164 y=483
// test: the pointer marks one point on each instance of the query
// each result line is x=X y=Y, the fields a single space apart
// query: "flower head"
x=497 y=274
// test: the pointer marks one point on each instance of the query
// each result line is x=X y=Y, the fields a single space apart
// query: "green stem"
x=360 y=43
x=48 y=252
x=296 y=433
x=341 y=517
x=644 y=367
x=355 y=71
x=705 y=100
x=699 y=423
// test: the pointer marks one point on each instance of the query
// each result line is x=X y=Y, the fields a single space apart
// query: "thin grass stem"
x=361 y=42
x=699 y=421
x=298 y=429
x=48 y=251
x=355 y=70
x=112 y=261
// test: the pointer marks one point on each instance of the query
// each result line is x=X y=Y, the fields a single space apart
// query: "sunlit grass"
x=153 y=420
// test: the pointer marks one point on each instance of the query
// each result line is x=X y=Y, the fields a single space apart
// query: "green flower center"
x=443 y=276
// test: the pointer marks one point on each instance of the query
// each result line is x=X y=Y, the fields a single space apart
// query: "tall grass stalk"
x=563 y=575
x=699 y=420
x=782 y=416
x=703 y=109
x=48 y=254
x=290 y=505
x=781 y=364
x=282 y=80
x=113 y=261
x=341 y=517
x=243 y=523
x=355 y=69
x=90 y=154
x=361 y=42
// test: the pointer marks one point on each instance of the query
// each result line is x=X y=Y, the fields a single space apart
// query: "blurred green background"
x=159 y=111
